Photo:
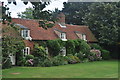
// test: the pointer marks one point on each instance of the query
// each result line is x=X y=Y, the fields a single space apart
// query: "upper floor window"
x=84 y=37
x=63 y=36
x=81 y=35
x=25 y=33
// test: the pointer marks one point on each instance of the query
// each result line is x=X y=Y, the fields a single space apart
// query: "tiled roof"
x=38 y=33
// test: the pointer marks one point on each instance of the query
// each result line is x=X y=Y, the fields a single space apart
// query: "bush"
x=36 y=61
x=73 y=59
x=95 y=46
x=47 y=63
x=59 y=60
x=29 y=57
x=40 y=52
x=70 y=47
x=29 y=62
x=6 y=63
x=84 y=48
x=86 y=60
x=22 y=62
x=105 y=54
x=54 y=47
x=80 y=55
x=95 y=55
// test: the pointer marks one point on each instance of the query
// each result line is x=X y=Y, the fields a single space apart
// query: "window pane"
x=63 y=36
x=84 y=37
x=26 y=33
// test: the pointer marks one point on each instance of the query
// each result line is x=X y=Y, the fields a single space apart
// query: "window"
x=83 y=36
x=63 y=51
x=63 y=36
x=26 y=51
x=25 y=33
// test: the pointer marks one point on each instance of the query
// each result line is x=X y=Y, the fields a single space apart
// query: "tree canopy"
x=103 y=21
x=27 y=14
x=102 y=18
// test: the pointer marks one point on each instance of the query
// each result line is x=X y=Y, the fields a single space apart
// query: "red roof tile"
x=38 y=33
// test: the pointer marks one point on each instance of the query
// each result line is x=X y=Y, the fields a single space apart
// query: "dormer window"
x=81 y=35
x=25 y=33
x=63 y=36
x=84 y=37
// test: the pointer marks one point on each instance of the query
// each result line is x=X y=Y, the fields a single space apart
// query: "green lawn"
x=98 y=69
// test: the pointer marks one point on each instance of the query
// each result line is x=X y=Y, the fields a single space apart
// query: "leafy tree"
x=103 y=21
x=27 y=14
x=38 y=13
x=75 y=12
x=6 y=15
x=11 y=42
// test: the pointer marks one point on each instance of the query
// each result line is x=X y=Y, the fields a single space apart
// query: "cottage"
x=31 y=32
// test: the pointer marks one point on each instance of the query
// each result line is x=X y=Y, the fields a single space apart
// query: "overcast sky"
x=20 y=7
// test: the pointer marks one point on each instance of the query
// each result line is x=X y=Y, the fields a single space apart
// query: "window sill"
x=27 y=38
x=64 y=39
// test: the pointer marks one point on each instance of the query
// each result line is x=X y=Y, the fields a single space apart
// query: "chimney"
x=61 y=18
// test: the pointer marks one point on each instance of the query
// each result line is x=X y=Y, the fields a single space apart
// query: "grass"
x=98 y=69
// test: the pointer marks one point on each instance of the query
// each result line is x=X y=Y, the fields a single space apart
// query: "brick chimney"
x=61 y=18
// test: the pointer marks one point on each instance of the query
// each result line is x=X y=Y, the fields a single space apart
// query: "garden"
x=77 y=51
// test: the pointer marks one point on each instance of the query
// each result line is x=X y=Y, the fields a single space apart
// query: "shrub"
x=95 y=46
x=73 y=59
x=84 y=48
x=54 y=47
x=19 y=59
x=6 y=63
x=77 y=59
x=59 y=60
x=80 y=55
x=22 y=61
x=95 y=55
x=47 y=63
x=86 y=60
x=105 y=54
x=40 y=52
x=36 y=61
x=29 y=57
x=29 y=62
x=70 y=47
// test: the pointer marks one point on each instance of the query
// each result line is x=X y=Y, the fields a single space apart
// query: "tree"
x=103 y=21
x=12 y=43
x=27 y=14
x=75 y=12
x=6 y=15
x=38 y=12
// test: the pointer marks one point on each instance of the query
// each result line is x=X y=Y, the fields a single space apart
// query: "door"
x=12 y=58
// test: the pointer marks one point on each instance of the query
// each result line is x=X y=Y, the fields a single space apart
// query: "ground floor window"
x=63 y=51
x=26 y=51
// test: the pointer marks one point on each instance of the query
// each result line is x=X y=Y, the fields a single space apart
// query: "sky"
x=20 y=7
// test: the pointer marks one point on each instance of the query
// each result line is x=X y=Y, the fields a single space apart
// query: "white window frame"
x=84 y=37
x=26 y=51
x=63 y=35
x=25 y=33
